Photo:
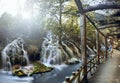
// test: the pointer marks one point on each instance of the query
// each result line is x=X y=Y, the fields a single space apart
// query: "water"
x=77 y=52
x=12 y=53
x=56 y=76
x=6 y=76
x=103 y=48
x=91 y=50
x=53 y=54
x=56 y=53
x=68 y=50
x=50 y=50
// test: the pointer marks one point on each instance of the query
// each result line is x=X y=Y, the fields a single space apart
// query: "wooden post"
x=83 y=44
x=98 y=45
x=106 y=48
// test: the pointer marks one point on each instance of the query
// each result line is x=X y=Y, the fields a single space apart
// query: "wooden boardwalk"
x=109 y=71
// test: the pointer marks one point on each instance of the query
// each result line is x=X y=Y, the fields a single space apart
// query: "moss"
x=41 y=68
x=19 y=73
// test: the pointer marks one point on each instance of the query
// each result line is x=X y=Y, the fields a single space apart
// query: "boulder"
x=72 y=61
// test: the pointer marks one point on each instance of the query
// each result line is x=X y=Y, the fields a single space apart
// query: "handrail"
x=77 y=76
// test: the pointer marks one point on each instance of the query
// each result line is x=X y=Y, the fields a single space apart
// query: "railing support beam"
x=83 y=44
x=106 y=54
x=98 y=45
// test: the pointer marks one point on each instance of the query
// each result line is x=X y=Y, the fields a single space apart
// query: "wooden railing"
x=78 y=75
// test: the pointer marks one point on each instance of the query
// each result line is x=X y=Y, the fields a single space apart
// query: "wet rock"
x=36 y=68
x=72 y=61
x=41 y=68
x=22 y=71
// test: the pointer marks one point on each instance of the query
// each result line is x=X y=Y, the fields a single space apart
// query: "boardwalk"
x=108 y=72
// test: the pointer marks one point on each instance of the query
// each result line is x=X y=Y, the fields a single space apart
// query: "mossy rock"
x=16 y=67
x=22 y=72
x=41 y=68
x=37 y=68
x=19 y=73
x=17 y=70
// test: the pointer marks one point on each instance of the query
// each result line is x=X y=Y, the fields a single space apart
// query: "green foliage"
x=69 y=20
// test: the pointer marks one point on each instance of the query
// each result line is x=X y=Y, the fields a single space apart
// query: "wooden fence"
x=77 y=76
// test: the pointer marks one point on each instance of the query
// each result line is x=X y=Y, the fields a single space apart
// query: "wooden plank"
x=79 y=5
x=101 y=7
x=109 y=26
x=113 y=34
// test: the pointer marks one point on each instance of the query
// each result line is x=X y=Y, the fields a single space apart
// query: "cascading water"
x=53 y=52
x=103 y=48
x=75 y=49
x=50 y=50
x=12 y=53
x=90 y=51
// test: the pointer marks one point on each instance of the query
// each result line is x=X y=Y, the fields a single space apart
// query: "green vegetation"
x=41 y=68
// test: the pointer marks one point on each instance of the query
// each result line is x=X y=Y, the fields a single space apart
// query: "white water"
x=7 y=76
x=92 y=52
x=50 y=50
x=13 y=50
x=55 y=54
x=68 y=50
x=75 y=49
x=103 y=48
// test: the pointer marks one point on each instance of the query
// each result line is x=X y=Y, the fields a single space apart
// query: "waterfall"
x=77 y=53
x=55 y=52
x=68 y=50
x=25 y=56
x=51 y=52
x=103 y=48
x=90 y=51
x=13 y=52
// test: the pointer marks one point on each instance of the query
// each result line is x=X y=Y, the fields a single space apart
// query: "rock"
x=17 y=70
x=36 y=68
x=72 y=61
x=19 y=73
x=16 y=67
x=41 y=68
